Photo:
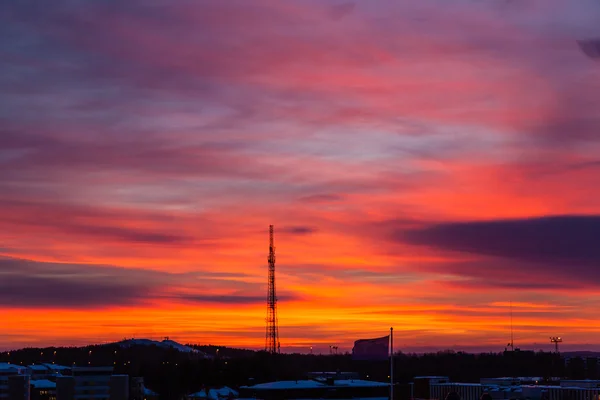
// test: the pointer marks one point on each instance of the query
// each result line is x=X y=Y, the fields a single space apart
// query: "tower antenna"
x=556 y=340
x=512 y=343
x=272 y=335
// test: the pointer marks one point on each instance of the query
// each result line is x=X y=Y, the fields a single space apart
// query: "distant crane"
x=556 y=340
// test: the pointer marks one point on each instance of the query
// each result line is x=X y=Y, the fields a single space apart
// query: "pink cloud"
x=168 y=136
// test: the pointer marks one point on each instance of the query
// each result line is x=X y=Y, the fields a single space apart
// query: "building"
x=65 y=388
x=39 y=371
x=422 y=385
x=466 y=391
x=334 y=375
x=119 y=387
x=56 y=369
x=150 y=395
x=47 y=371
x=42 y=389
x=496 y=388
x=223 y=393
x=581 y=383
x=519 y=388
x=511 y=381
x=136 y=388
x=572 y=393
x=18 y=387
x=138 y=391
x=7 y=370
x=312 y=389
x=56 y=382
x=92 y=383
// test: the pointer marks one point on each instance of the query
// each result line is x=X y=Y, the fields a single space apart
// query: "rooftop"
x=56 y=367
x=354 y=398
x=42 y=384
x=6 y=367
x=431 y=377
x=359 y=383
x=38 y=367
x=457 y=384
x=148 y=392
x=312 y=384
x=303 y=384
x=225 y=391
x=215 y=394
x=92 y=369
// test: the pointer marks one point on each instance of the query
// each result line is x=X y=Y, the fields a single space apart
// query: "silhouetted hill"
x=223 y=351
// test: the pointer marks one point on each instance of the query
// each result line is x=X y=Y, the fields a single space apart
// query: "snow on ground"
x=215 y=394
x=177 y=346
x=303 y=384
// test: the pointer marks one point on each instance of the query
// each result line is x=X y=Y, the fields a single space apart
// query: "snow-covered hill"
x=167 y=343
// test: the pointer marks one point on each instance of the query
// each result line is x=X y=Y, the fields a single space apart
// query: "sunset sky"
x=425 y=164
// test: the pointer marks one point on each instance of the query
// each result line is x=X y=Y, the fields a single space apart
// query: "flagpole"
x=391 y=363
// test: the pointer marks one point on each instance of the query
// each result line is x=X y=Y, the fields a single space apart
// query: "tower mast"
x=272 y=335
x=512 y=343
x=556 y=340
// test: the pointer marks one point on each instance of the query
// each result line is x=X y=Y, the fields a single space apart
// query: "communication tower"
x=272 y=336
x=556 y=340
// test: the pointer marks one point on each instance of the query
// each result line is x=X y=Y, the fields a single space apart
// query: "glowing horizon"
x=424 y=166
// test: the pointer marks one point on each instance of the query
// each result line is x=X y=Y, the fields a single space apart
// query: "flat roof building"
x=42 y=389
x=18 y=387
x=313 y=389
x=92 y=383
x=7 y=370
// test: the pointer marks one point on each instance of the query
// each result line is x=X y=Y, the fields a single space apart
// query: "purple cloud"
x=31 y=284
x=299 y=230
x=89 y=222
x=590 y=47
x=556 y=239
x=231 y=298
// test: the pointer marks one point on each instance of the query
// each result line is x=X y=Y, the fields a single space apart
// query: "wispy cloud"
x=31 y=284
x=403 y=150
